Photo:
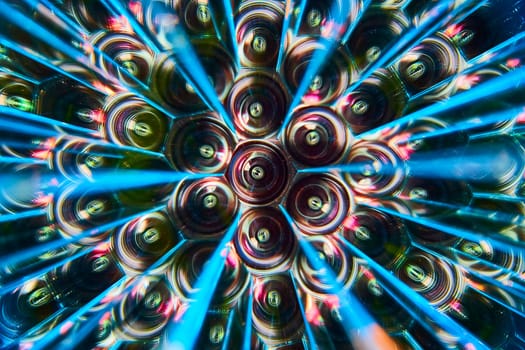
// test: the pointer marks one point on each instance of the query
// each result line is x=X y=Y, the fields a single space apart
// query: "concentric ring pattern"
x=247 y=174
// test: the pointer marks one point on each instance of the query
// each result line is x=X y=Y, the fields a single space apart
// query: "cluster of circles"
x=151 y=162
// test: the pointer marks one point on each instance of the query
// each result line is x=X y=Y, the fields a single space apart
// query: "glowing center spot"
x=95 y=207
x=362 y=233
x=153 y=300
x=418 y=193
x=39 y=297
x=415 y=273
x=216 y=334
x=372 y=54
x=203 y=13
x=255 y=110
x=359 y=107
x=274 y=298
x=93 y=161
x=257 y=173
x=472 y=249
x=314 y=18
x=190 y=88
x=44 y=234
x=100 y=264
x=375 y=288
x=131 y=67
x=20 y=103
x=142 y=129
x=206 y=151
x=151 y=235
x=416 y=70
x=263 y=235
x=315 y=203
x=210 y=201
x=317 y=83
x=259 y=44
x=313 y=138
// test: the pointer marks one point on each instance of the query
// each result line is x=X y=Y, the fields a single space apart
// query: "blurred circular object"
x=334 y=256
x=378 y=100
x=258 y=31
x=318 y=204
x=88 y=13
x=375 y=32
x=204 y=208
x=16 y=93
x=380 y=236
x=276 y=314
x=145 y=310
x=328 y=83
x=258 y=104
x=265 y=242
x=188 y=265
x=316 y=136
x=198 y=17
x=123 y=56
x=200 y=145
x=79 y=281
x=379 y=171
x=258 y=172
x=177 y=92
x=429 y=63
x=142 y=241
x=438 y=281
x=132 y=122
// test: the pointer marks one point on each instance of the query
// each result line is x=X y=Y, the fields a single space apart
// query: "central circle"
x=259 y=44
x=206 y=151
x=317 y=83
x=315 y=203
x=274 y=298
x=256 y=110
x=210 y=201
x=313 y=138
x=263 y=235
x=360 y=107
x=258 y=172
x=203 y=13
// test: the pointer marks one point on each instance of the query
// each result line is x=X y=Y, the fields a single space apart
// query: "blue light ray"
x=497 y=241
x=494 y=87
x=416 y=305
x=300 y=13
x=77 y=336
x=247 y=335
x=22 y=255
x=515 y=290
x=229 y=325
x=308 y=329
x=499 y=197
x=183 y=334
x=328 y=43
x=21 y=160
x=359 y=325
x=435 y=19
x=288 y=12
x=228 y=13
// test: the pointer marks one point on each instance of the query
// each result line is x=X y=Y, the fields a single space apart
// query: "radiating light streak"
x=11 y=285
x=468 y=124
x=191 y=68
x=516 y=291
x=308 y=329
x=356 y=21
x=20 y=160
x=300 y=13
x=183 y=334
x=362 y=329
x=35 y=118
x=73 y=339
x=492 y=88
x=435 y=19
x=498 y=241
x=229 y=324
x=288 y=13
x=247 y=335
x=328 y=43
x=228 y=14
x=22 y=255
x=35 y=29
x=416 y=305
x=499 y=197
x=353 y=168
x=23 y=215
